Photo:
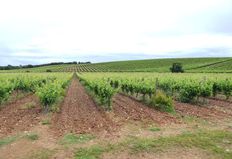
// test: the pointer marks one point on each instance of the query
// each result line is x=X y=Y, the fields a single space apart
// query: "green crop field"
x=48 y=87
x=139 y=105
x=144 y=110
x=185 y=87
x=152 y=65
x=108 y=79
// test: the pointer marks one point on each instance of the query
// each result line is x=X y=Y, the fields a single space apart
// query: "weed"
x=32 y=136
x=46 y=122
x=8 y=140
x=93 y=152
x=162 y=102
x=154 y=129
x=215 y=142
x=76 y=139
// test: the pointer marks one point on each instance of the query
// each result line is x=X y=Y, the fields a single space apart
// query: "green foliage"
x=76 y=139
x=227 y=88
x=217 y=87
x=49 y=87
x=48 y=70
x=89 y=153
x=5 y=90
x=162 y=102
x=188 y=91
x=183 y=87
x=214 y=142
x=206 y=89
x=103 y=90
x=208 y=141
x=176 y=68
x=154 y=129
x=8 y=140
x=46 y=122
x=49 y=94
x=32 y=136
x=137 y=86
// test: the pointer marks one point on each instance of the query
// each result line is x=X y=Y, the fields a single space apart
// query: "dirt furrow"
x=199 y=111
x=20 y=115
x=79 y=113
x=222 y=105
x=128 y=108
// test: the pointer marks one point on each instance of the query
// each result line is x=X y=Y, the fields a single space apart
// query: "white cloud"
x=59 y=28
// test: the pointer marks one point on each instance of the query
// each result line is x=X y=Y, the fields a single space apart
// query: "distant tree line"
x=10 y=67
x=84 y=62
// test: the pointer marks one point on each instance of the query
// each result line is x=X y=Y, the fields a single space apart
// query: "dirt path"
x=15 y=117
x=79 y=113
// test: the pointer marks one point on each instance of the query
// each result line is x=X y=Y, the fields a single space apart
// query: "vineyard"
x=49 y=88
x=182 y=87
x=214 y=65
x=79 y=114
x=101 y=79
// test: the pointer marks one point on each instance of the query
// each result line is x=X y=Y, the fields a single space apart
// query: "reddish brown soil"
x=199 y=111
x=130 y=109
x=13 y=118
x=79 y=113
x=220 y=103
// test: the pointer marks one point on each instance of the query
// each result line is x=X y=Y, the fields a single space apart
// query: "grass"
x=76 y=139
x=154 y=129
x=193 y=119
x=8 y=140
x=32 y=136
x=46 y=122
x=217 y=143
x=89 y=153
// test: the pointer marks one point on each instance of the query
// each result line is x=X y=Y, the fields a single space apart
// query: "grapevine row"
x=185 y=88
x=49 y=88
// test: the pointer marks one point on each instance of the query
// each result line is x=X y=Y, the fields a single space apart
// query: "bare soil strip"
x=15 y=118
x=225 y=106
x=130 y=109
x=79 y=113
x=199 y=111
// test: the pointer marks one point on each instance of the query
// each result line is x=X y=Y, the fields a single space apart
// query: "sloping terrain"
x=222 y=66
x=151 y=65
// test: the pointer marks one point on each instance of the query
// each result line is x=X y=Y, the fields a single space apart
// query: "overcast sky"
x=41 y=31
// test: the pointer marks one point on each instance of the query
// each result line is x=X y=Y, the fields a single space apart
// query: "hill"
x=151 y=65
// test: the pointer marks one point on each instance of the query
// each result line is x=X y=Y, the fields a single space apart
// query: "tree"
x=48 y=70
x=176 y=67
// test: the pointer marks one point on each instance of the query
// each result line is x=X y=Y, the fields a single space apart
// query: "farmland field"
x=217 y=65
x=116 y=79
x=115 y=115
